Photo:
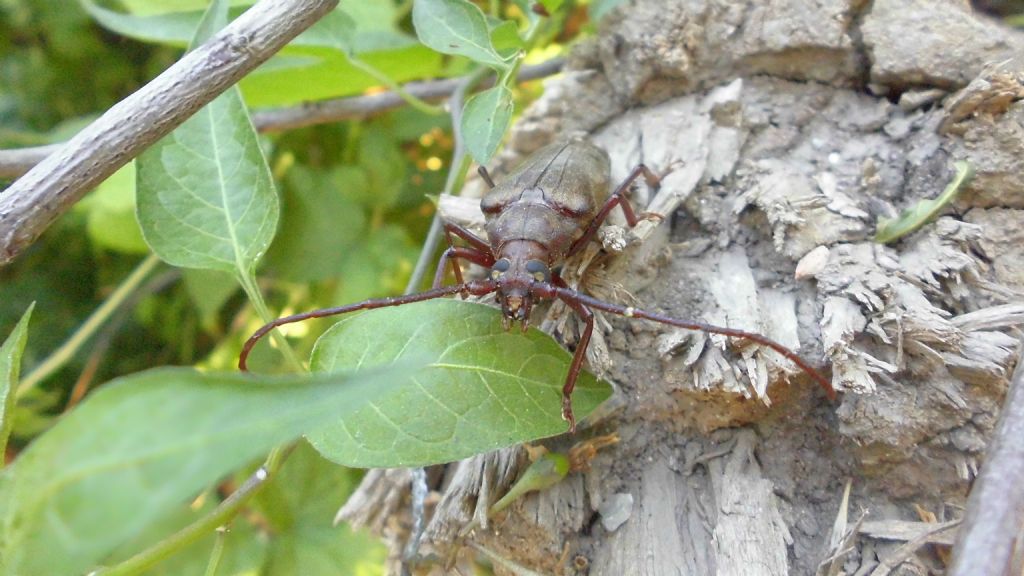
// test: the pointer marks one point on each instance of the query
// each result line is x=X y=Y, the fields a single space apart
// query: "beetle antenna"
x=476 y=288
x=482 y=171
x=570 y=295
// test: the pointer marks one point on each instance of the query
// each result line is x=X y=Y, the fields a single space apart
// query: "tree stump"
x=786 y=129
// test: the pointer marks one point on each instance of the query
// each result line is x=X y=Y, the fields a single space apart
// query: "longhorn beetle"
x=542 y=213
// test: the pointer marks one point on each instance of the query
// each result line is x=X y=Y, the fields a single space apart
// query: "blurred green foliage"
x=142 y=445
x=354 y=212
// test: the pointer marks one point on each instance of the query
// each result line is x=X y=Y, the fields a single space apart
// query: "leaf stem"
x=510 y=75
x=408 y=98
x=248 y=282
x=217 y=553
x=93 y=323
x=217 y=517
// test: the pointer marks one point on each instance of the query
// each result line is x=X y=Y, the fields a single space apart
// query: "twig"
x=92 y=365
x=15 y=162
x=93 y=323
x=220 y=515
x=101 y=344
x=384 y=79
x=34 y=201
x=995 y=509
x=216 y=518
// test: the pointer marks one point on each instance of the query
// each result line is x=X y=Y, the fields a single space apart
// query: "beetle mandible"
x=544 y=212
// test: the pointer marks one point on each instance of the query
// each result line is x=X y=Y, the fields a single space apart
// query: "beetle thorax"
x=522 y=273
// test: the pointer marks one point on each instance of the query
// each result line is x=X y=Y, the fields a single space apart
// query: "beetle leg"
x=478 y=252
x=617 y=198
x=582 y=301
x=577 y=357
x=627 y=208
x=453 y=252
x=470 y=238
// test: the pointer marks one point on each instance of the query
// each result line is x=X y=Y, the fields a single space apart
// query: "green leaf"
x=385 y=167
x=205 y=194
x=314 y=66
x=455 y=27
x=911 y=219
x=373 y=16
x=177 y=27
x=148 y=7
x=173 y=28
x=380 y=265
x=214 y=18
x=484 y=121
x=325 y=551
x=354 y=181
x=341 y=32
x=209 y=290
x=245 y=547
x=505 y=38
x=546 y=471
x=299 y=503
x=10 y=367
x=320 y=225
x=485 y=389
x=110 y=214
x=140 y=446
x=551 y=5
x=316 y=74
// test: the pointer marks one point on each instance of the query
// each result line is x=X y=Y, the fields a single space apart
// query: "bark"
x=996 y=507
x=787 y=130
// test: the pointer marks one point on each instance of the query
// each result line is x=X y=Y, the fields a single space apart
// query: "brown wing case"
x=570 y=177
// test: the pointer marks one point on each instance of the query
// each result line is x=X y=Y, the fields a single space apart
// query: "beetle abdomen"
x=535 y=222
x=571 y=177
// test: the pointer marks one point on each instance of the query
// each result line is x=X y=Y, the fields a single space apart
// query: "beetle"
x=542 y=213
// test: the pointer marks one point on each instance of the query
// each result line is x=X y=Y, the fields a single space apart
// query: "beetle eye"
x=499 y=268
x=540 y=271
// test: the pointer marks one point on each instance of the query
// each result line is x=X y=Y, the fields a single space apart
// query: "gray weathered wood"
x=989 y=541
x=920 y=333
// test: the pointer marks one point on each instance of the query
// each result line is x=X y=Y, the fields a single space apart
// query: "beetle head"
x=520 y=270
